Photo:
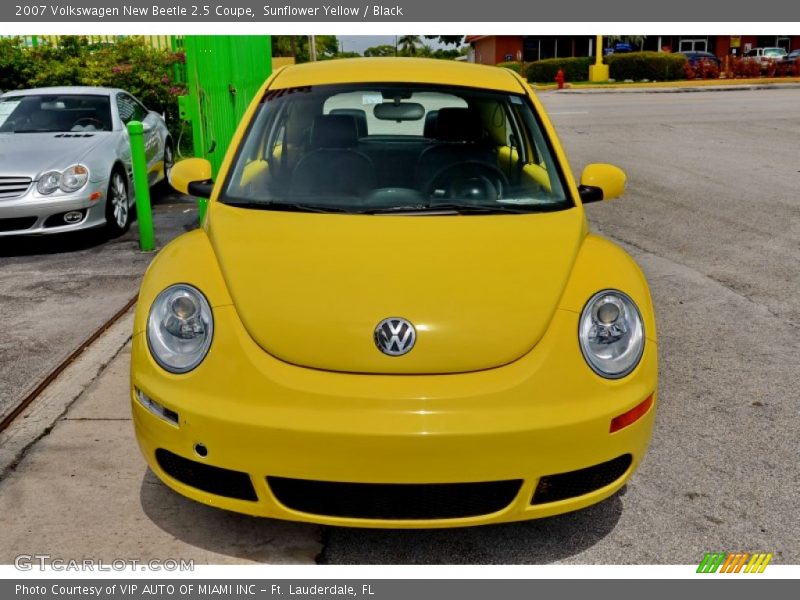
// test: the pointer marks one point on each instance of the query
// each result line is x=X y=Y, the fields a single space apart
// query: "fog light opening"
x=201 y=450
x=170 y=416
x=73 y=216
x=633 y=415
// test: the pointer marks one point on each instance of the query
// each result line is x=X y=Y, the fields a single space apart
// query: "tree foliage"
x=129 y=63
x=327 y=47
x=447 y=40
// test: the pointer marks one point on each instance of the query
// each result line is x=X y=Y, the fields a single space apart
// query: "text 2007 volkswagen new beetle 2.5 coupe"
x=394 y=314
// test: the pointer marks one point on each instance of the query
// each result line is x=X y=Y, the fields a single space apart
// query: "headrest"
x=458 y=125
x=359 y=115
x=334 y=131
x=429 y=131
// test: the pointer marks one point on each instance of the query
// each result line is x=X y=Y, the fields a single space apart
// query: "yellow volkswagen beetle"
x=394 y=314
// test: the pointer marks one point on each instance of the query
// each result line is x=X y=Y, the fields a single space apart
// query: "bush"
x=744 y=67
x=513 y=65
x=544 y=71
x=129 y=63
x=655 y=66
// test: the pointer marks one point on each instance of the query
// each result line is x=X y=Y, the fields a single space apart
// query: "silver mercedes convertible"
x=65 y=161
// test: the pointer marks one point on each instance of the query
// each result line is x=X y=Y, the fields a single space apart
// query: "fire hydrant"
x=560 y=79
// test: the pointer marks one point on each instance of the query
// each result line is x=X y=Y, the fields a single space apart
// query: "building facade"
x=493 y=49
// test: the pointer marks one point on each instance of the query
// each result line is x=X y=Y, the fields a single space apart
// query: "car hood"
x=311 y=288
x=31 y=154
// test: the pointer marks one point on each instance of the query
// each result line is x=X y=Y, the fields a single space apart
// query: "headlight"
x=48 y=183
x=179 y=328
x=74 y=178
x=611 y=334
x=70 y=180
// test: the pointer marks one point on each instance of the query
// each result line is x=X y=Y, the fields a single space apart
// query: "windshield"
x=54 y=113
x=381 y=148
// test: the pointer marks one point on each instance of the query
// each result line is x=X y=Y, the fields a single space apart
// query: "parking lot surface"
x=55 y=291
x=712 y=217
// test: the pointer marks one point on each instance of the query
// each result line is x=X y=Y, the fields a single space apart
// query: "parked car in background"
x=619 y=48
x=694 y=58
x=65 y=161
x=766 y=56
x=793 y=55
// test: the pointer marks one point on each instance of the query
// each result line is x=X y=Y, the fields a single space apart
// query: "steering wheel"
x=467 y=180
x=98 y=124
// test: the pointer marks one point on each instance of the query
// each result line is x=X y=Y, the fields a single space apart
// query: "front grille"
x=214 y=480
x=395 y=501
x=577 y=483
x=17 y=224
x=13 y=187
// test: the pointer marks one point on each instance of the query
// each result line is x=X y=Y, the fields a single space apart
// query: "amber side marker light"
x=96 y=196
x=630 y=417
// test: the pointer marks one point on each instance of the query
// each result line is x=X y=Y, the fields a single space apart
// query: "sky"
x=359 y=43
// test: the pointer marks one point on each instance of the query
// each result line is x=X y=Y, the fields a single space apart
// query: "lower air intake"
x=394 y=501
x=214 y=480
x=552 y=488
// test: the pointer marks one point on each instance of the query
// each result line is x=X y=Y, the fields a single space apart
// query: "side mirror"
x=192 y=176
x=601 y=182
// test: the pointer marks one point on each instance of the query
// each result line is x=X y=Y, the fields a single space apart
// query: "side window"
x=130 y=109
x=140 y=112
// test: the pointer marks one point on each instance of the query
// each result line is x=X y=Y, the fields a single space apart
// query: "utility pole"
x=312 y=48
x=598 y=71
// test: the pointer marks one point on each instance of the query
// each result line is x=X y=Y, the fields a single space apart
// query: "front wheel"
x=169 y=160
x=118 y=209
x=164 y=186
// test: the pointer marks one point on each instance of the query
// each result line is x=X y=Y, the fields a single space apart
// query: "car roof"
x=397 y=70
x=66 y=89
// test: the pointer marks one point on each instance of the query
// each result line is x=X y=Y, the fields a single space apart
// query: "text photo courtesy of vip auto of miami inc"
x=273 y=298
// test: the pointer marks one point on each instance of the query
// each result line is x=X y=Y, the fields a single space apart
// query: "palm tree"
x=408 y=44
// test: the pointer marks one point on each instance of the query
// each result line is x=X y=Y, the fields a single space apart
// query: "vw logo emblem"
x=395 y=336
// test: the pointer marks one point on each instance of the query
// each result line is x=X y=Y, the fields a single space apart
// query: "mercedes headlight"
x=611 y=334
x=69 y=180
x=179 y=328
x=48 y=183
x=73 y=178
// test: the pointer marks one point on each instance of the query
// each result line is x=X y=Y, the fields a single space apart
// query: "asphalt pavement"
x=711 y=215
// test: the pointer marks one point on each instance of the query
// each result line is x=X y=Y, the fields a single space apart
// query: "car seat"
x=333 y=166
x=459 y=136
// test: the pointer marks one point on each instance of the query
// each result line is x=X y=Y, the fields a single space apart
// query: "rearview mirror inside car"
x=401 y=111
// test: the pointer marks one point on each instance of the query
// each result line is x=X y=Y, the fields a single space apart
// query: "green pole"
x=141 y=187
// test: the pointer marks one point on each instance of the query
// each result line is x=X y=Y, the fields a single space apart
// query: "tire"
x=164 y=186
x=118 y=204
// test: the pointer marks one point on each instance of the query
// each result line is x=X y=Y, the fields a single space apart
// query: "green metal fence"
x=223 y=74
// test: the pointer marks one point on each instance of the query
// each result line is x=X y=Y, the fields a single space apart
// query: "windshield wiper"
x=451 y=207
x=287 y=206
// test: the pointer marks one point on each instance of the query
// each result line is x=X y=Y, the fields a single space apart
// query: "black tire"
x=164 y=185
x=118 y=204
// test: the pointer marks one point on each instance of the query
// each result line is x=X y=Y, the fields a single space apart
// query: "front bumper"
x=544 y=414
x=35 y=214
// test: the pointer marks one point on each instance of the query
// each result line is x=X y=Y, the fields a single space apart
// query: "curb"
x=38 y=418
x=681 y=90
